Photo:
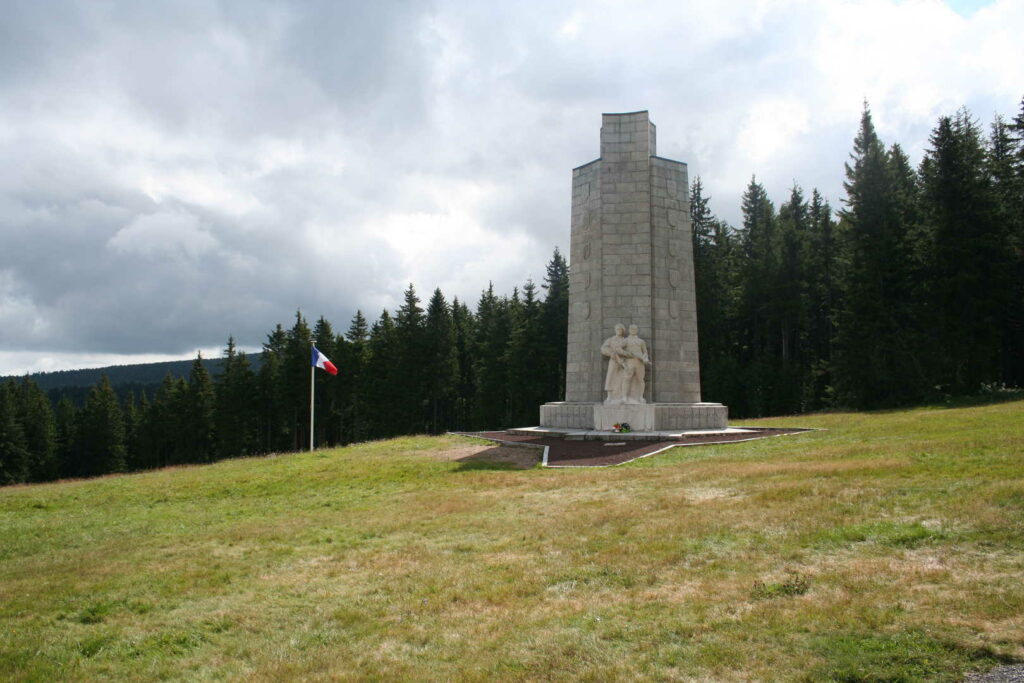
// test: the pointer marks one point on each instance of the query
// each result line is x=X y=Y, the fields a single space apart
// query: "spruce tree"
x=294 y=382
x=381 y=388
x=237 y=417
x=718 y=259
x=464 y=323
x=351 y=389
x=791 y=310
x=554 y=315
x=410 y=412
x=492 y=333
x=1005 y=164
x=101 y=432
x=38 y=425
x=874 y=365
x=525 y=384
x=441 y=362
x=824 y=302
x=66 y=417
x=971 y=264
x=14 y=455
x=200 y=406
x=759 y=303
x=273 y=413
x=133 y=429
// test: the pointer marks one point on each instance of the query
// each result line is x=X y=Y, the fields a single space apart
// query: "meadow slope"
x=889 y=547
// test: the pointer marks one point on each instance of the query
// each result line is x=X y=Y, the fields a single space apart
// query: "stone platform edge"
x=646 y=417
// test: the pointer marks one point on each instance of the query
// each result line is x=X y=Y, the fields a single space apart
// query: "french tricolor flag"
x=321 y=361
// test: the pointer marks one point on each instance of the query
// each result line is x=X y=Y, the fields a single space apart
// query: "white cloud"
x=168 y=234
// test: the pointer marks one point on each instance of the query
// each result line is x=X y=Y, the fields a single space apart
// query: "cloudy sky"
x=175 y=172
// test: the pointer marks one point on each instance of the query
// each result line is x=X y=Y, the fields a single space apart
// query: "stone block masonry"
x=631 y=259
x=631 y=263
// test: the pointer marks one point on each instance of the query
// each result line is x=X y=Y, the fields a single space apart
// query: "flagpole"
x=312 y=386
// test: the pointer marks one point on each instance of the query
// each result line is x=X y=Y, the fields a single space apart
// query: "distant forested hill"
x=126 y=379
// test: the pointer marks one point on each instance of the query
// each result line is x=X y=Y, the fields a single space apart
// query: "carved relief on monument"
x=627 y=360
x=675 y=217
x=588 y=219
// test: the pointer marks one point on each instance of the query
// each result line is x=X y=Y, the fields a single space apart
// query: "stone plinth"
x=639 y=417
x=647 y=417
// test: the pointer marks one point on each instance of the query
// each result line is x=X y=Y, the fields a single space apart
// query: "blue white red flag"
x=323 y=362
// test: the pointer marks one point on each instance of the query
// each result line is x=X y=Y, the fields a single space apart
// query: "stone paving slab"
x=568 y=452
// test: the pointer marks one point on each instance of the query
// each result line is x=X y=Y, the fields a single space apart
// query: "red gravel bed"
x=573 y=453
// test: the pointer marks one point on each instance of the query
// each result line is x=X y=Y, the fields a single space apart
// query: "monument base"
x=647 y=417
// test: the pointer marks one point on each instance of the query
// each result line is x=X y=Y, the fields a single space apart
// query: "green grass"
x=889 y=547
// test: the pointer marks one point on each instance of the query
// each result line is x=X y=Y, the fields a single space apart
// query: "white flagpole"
x=312 y=386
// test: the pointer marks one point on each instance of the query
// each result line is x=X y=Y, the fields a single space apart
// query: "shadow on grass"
x=949 y=402
x=501 y=458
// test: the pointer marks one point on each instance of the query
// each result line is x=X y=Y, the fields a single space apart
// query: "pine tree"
x=759 y=303
x=200 y=407
x=237 y=414
x=971 y=264
x=380 y=391
x=554 y=328
x=66 y=416
x=101 y=432
x=133 y=431
x=294 y=382
x=718 y=260
x=38 y=425
x=273 y=416
x=873 y=363
x=792 y=306
x=525 y=382
x=493 y=326
x=1005 y=165
x=824 y=302
x=464 y=323
x=441 y=362
x=164 y=426
x=409 y=412
x=14 y=455
x=351 y=389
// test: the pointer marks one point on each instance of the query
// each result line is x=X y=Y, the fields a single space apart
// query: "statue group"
x=627 y=361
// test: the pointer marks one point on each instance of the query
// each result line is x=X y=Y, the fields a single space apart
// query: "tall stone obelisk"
x=631 y=263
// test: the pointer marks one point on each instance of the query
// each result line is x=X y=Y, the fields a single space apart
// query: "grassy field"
x=889 y=547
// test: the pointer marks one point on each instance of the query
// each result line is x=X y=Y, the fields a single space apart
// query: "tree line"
x=913 y=290
x=419 y=369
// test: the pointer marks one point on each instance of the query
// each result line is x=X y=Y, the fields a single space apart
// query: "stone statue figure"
x=627 y=358
x=636 y=359
x=615 y=348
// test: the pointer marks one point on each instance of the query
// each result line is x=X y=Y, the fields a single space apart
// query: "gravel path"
x=1010 y=673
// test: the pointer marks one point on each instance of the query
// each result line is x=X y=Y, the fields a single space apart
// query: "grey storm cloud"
x=175 y=172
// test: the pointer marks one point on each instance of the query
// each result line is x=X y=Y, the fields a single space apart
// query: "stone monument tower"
x=631 y=257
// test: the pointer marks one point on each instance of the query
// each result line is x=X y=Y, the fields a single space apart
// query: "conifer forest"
x=912 y=290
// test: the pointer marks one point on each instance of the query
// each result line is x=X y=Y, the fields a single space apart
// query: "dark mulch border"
x=572 y=453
